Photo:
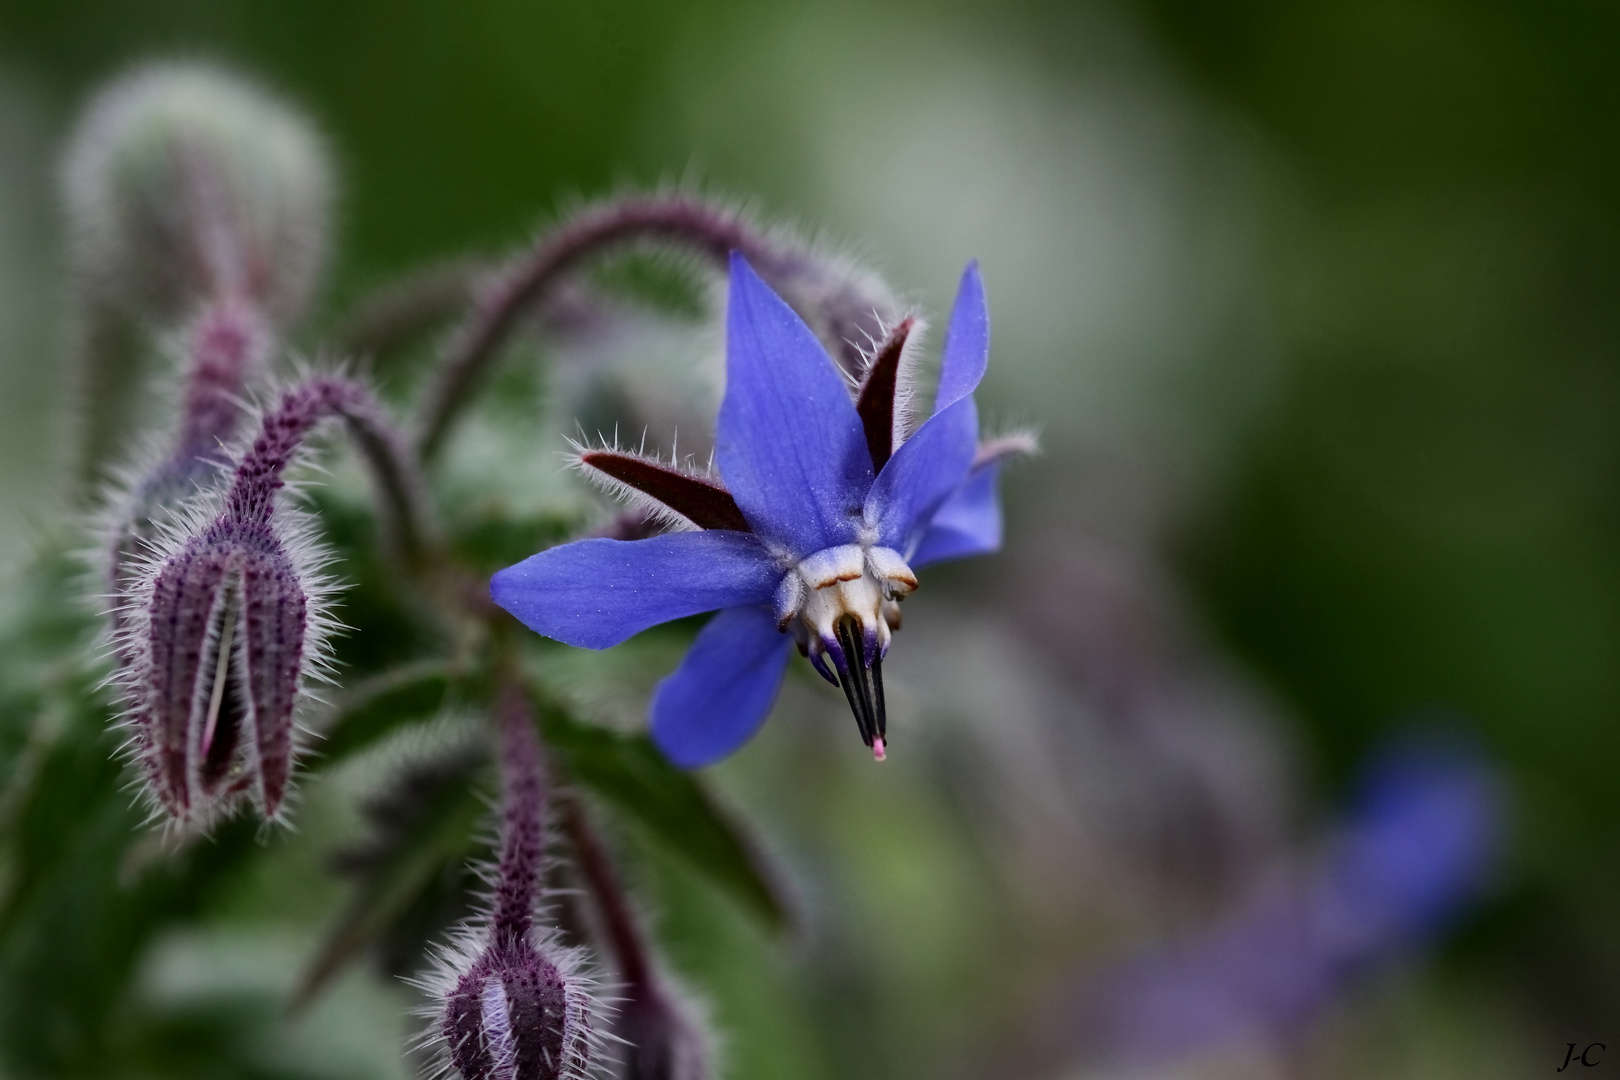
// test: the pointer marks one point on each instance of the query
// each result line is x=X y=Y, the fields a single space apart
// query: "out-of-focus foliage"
x=1429 y=516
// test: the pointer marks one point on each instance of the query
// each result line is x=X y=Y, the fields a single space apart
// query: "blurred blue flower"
x=1417 y=848
x=811 y=539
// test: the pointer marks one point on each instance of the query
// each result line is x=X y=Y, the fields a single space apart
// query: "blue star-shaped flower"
x=812 y=539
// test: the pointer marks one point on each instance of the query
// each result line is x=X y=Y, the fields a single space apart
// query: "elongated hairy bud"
x=221 y=625
x=508 y=1002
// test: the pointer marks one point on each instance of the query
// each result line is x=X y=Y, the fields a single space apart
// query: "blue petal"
x=969 y=522
x=596 y=593
x=967 y=342
x=923 y=473
x=720 y=694
x=789 y=441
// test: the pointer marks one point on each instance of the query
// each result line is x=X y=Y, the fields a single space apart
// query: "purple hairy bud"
x=221 y=623
x=508 y=1002
x=187 y=185
x=222 y=350
x=515 y=1016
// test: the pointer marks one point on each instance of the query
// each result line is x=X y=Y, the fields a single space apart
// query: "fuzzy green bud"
x=187 y=185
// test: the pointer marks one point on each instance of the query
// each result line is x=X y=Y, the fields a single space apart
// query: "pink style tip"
x=879 y=751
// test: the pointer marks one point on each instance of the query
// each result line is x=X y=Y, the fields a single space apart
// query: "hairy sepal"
x=282 y=564
x=677 y=496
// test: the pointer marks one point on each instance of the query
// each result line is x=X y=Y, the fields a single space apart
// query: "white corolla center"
x=853 y=580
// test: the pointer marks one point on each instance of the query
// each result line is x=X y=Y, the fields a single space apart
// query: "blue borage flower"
x=812 y=539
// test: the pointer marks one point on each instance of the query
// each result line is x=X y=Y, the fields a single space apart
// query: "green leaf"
x=487 y=536
x=87 y=891
x=376 y=706
x=629 y=772
x=422 y=829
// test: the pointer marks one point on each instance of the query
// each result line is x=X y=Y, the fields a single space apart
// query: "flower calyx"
x=225 y=650
x=516 y=1015
x=223 y=621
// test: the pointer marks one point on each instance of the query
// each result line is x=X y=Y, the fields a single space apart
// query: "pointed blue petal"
x=967 y=342
x=968 y=523
x=789 y=442
x=720 y=694
x=923 y=473
x=596 y=593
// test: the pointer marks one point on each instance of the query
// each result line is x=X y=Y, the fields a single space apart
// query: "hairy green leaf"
x=673 y=806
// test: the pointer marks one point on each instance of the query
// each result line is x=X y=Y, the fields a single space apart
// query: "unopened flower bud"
x=221 y=625
x=186 y=184
x=509 y=1003
x=228 y=619
x=517 y=1016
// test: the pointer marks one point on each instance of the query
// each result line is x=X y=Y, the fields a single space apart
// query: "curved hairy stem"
x=413 y=305
x=523 y=805
x=398 y=480
x=707 y=229
x=663 y=1036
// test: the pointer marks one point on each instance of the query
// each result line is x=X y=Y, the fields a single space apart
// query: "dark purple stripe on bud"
x=274 y=617
x=701 y=501
x=185 y=608
x=218 y=665
x=227 y=629
x=510 y=1018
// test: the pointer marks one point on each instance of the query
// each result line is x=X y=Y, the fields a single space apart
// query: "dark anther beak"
x=863 y=685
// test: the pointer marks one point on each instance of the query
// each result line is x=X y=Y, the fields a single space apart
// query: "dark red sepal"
x=702 y=502
x=876 y=400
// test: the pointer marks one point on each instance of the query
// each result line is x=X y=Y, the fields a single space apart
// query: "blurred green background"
x=1316 y=304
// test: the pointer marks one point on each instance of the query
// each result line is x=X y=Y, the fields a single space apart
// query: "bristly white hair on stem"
x=844 y=303
x=506 y=1001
